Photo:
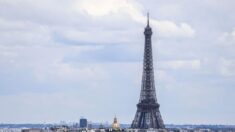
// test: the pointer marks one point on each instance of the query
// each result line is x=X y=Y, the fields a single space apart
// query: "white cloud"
x=181 y=64
x=9 y=25
x=228 y=38
x=47 y=63
x=24 y=33
x=227 y=67
x=65 y=72
x=106 y=8
x=69 y=22
x=170 y=29
x=220 y=66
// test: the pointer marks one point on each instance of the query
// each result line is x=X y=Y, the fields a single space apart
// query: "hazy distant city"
x=108 y=127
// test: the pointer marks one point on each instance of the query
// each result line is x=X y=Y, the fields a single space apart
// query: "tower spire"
x=147 y=18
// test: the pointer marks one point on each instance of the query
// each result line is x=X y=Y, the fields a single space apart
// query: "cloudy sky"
x=60 y=60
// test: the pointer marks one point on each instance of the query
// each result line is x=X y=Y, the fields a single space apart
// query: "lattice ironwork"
x=148 y=114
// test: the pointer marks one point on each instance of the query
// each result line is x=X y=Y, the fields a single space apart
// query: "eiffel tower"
x=148 y=114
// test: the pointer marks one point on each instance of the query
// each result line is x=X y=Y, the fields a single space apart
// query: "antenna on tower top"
x=148 y=18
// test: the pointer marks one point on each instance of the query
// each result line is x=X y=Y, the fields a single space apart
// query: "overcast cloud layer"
x=60 y=60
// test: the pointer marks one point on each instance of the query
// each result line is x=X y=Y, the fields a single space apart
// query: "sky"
x=63 y=60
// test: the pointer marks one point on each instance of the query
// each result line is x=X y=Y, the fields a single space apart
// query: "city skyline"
x=60 y=60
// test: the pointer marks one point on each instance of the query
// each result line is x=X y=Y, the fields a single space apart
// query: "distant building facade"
x=115 y=125
x=83 y=123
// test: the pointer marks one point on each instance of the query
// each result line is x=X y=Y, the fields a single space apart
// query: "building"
x=148 y=114
x=32 y=130
x=115 y=125
x=83 y=123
